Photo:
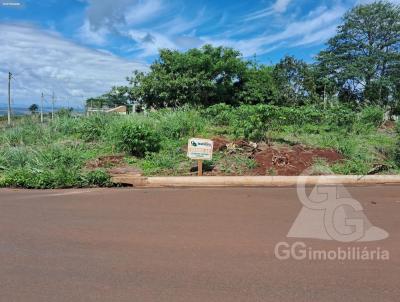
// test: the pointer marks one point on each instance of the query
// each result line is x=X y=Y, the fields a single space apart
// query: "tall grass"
x=56 y=153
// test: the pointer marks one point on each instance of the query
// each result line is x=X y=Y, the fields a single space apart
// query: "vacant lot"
x=79 y=151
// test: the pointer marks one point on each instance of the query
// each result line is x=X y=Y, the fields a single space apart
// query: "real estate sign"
x=199 y=148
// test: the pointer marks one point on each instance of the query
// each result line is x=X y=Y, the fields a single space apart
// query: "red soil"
x=291 y=160
x=105 y=161
x=273 y=160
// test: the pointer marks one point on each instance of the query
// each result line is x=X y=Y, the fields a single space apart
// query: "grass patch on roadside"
x=55 y=154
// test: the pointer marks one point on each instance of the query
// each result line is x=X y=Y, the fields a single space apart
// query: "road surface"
x=214 y=244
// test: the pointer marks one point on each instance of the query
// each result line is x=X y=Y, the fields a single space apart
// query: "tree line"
x=359 y=66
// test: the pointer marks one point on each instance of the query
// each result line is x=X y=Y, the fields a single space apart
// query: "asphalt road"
x=183 y=245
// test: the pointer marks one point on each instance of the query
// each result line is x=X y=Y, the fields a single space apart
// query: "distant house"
x=120 y=110
x=105 y=109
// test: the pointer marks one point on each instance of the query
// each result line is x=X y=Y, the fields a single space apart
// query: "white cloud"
x=143 y=11
x=107 y=13
x=280 y=6
x=179 y=25
x=308 y=26
x=114 y=14
x=148 y=43
x=314 y=28
x=89 y=36
x=259 y=14
x=317 y=37
x=44 y=61
x=370 y=1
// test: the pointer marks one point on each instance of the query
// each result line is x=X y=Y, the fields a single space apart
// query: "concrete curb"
x=253 y=181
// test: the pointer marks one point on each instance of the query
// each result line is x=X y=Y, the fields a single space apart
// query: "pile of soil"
x=219 y=143
x=114 y=164
x=106 y=161
x=274 y=160
x=291 y=160
x=388 y=125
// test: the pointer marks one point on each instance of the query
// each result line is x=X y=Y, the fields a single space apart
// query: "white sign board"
x=199 y=148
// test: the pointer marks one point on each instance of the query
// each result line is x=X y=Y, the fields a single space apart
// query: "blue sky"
x=81 y=48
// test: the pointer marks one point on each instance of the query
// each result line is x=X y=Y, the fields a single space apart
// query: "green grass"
x=55 y=154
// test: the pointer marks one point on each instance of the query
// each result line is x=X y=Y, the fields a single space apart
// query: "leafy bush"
x=397 y=150
x=168 y=159
x=66 y=125
x=98 y=177
x=353 y=166
x=253 y=121
x=137 y=138
x=219 y=114
x=250 y=122
x=175 y=124
x=92 y=127
x=340 y=117
x=61 y=177
x=372 y=115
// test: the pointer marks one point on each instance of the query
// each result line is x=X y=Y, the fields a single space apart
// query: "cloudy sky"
x=80 y=48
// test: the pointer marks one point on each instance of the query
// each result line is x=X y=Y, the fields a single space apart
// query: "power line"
x=52 y=106
x=9 y=99
x=41 y=108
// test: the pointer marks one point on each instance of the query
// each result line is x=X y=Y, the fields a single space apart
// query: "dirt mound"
x=219 y=143
x=291 y=161
x=125 y=170
x=388 y=125
x=106 y=161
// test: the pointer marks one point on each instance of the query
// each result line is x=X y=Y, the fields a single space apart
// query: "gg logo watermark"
x=330 y=213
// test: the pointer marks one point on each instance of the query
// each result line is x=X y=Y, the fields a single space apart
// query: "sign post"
x=200 y=149
x=200 y=167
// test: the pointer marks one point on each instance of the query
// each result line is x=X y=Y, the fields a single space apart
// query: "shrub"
x=250 y=122
x=27 y=177
x=353 y=166
x=98 y=177
x=175 y=124
x=66 y=125
x=253 y=121
x=372 y=115
x=137 y=138
x=397 y=150
x=91 y=128
x=219 y=114
x=340 y=117
x=61 y=177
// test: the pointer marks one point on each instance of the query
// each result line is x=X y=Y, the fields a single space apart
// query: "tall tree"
x=117 y=96
x=362 y=57
x=295 y=82
x=34 y=108
x=202 y=76
x=258 y=85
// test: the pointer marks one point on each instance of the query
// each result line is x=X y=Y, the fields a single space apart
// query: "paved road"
x=182 y=245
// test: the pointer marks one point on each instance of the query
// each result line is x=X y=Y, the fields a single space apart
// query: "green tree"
x=295 y=82
x=34 y=108
x=117 y=96
x=202 y=76
x=258 y=85
x=363 y=57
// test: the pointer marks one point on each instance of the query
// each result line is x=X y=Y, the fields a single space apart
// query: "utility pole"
x=9 y=99
x=52 y=106
x=41 y=108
